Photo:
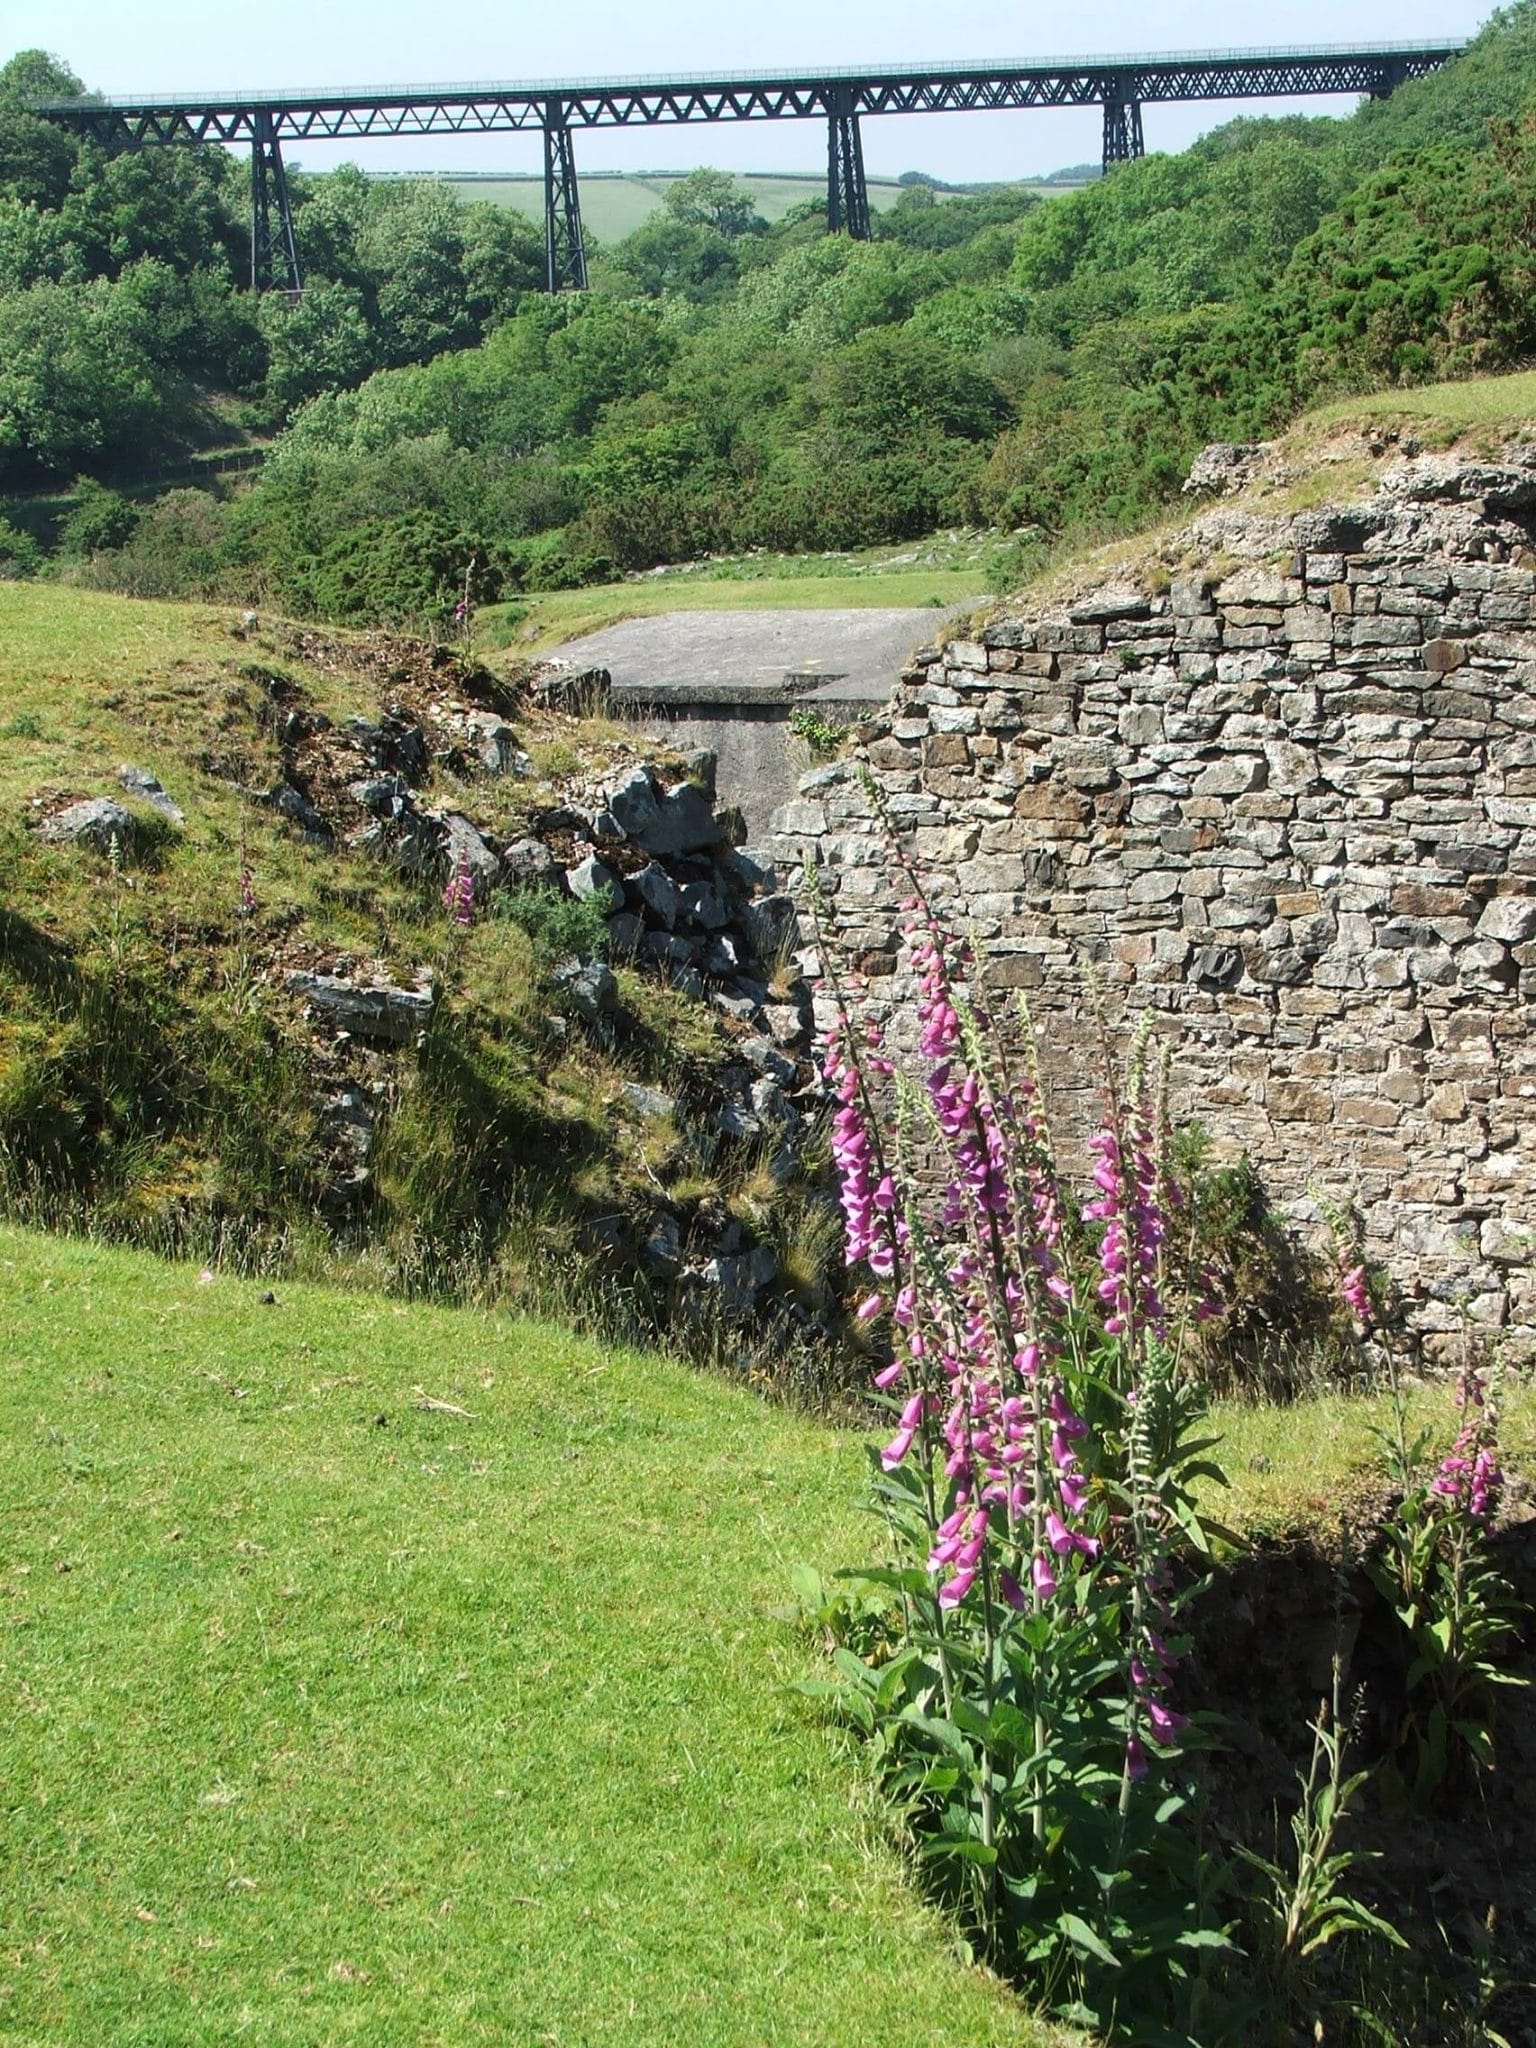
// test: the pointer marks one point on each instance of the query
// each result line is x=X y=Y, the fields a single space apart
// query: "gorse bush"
x=560 y=927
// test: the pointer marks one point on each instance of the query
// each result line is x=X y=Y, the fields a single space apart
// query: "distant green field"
x=614 y=204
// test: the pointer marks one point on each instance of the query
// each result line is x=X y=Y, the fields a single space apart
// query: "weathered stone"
x=588 y=986
x=528 y=861
x=97 y=822
x=1229 y=777
x=368 y=1010
x=466 y=849
x=1259 y=587
x=1509 y=919
x=593 y=877
x=648 y=1102
x=685 y=822
x=148 y=788
x=496 y=745
x=657 y=894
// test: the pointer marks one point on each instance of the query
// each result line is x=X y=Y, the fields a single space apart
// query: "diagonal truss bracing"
x=619 y=103
x=1120 y=86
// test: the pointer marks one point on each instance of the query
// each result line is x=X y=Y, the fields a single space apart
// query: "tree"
x=318 y=342
x=37 y=158
x=713 y=199
x=666 y=255
x=82 y=381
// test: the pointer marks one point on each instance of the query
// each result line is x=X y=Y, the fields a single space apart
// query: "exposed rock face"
x=1291 y=808
x=367 y=1009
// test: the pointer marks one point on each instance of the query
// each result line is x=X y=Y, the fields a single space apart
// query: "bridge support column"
x=1122 y=131
x=1389 y=77
x=847 y=192
x=565 y=256
x=274 y=247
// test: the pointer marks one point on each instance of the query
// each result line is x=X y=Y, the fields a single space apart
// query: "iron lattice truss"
x=1120 y=85
x=620 y=103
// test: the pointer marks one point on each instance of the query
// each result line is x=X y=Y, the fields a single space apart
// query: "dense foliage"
x=988 y=357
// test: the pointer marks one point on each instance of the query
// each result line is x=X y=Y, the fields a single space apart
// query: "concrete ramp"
x=846 y=653
x=731 y=680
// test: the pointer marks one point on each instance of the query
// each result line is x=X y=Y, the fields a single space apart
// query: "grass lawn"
x=1294 y=1468
x=334 y=1716
x=331 y=1718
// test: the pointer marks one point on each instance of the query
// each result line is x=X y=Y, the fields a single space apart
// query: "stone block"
x=1509 y=919
x=1259 y=587
x=1229 y=777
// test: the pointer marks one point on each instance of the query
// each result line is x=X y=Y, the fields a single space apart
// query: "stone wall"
x=747 y=728
x=1286 y=800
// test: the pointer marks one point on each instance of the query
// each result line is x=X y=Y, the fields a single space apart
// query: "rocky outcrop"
x=94 y=821
x=375 y=1010
x=1285 y=800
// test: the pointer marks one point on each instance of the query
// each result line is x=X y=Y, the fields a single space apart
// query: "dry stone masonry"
x=1285 y=799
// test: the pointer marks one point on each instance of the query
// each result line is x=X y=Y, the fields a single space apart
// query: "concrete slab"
x=737 y=657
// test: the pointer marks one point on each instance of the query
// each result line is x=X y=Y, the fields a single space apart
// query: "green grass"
x=1473 y=402
x=337 y=1718
x=331 y=1718
x=1292 y=1469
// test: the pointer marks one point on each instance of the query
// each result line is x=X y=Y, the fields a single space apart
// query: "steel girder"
x=274 y=249
x=490 y=109
x=847 y=192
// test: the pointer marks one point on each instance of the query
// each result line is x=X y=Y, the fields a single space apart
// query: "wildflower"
x=459 y=893
x=1357 y=1295
x=1469 y=1479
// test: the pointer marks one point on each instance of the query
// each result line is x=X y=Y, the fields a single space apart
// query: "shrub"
x=20 y=554
x=559 y=926
x=100 y=520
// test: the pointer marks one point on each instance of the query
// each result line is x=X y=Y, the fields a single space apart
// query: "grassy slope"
x=96 y=681
x=331 y=1719
x=1498 y=402
x=88 y=682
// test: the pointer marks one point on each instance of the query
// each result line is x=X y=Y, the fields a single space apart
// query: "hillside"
x=355 y=973
x=727 y=384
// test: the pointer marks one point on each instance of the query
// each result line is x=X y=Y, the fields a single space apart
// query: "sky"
x=169 y=46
